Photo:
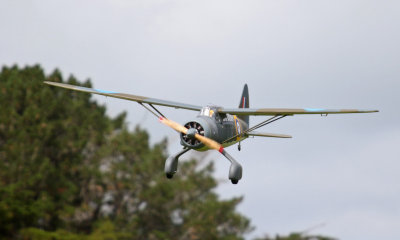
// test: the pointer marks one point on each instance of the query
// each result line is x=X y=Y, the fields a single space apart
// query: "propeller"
x=205 y=140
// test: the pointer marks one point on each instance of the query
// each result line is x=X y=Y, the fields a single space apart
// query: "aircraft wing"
x=289 y=111
x=129 y=97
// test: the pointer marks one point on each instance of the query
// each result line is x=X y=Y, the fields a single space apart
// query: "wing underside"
x=129 y=97
x=289 y=111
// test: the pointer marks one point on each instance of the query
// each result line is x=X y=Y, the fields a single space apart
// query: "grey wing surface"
x=129 y=97
x=289 y=111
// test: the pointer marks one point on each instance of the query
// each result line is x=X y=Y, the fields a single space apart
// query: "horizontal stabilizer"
x=259 y=134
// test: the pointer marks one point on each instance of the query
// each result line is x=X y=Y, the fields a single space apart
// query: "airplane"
x=215 y=127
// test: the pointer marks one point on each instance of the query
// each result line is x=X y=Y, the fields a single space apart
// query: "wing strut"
x=151 y=105
x=268 y=121
x=155 y=114
x=261 y=124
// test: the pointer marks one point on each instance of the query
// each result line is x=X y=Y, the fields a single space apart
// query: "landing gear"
x=171 y=164
x=235 y=170
x=239 y=147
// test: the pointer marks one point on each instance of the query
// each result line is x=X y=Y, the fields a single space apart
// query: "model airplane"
x=214 y=127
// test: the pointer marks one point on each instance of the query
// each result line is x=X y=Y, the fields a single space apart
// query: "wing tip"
x=369 y=111
x=56 y=84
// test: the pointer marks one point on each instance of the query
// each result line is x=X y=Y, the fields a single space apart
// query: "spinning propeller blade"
x=174 y=125
x=209 y=142
x=205 y=140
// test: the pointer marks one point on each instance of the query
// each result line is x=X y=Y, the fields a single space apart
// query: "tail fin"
x=244 y=103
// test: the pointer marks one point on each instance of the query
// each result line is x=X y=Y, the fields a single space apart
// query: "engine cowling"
x=188 y=139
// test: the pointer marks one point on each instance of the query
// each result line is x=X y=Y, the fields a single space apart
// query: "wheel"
x=169 y=175
x=234 y=181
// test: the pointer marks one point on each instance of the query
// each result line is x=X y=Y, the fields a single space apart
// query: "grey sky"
x=339 y=170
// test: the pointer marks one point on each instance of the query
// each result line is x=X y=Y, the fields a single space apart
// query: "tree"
x=68 y=171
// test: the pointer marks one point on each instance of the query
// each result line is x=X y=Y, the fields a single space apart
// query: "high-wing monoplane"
x=215 y=127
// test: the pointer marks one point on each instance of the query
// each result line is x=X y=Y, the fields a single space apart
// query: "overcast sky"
x=340 y=170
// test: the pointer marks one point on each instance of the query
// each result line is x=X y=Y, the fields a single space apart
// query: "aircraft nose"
x=191 y=132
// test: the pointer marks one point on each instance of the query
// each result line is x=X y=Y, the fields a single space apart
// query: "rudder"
x=244 y=103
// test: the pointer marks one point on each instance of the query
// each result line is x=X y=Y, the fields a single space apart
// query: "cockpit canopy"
x=208 y=111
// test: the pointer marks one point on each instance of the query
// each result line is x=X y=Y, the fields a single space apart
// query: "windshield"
x=206 y=111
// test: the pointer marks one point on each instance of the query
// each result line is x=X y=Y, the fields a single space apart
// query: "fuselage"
x=219 y=127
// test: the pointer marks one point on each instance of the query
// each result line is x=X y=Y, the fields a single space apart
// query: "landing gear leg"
x=235 y=171
x=171 y=164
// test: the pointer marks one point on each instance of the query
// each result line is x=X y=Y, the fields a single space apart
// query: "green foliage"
x=39 y=234
x=68 y=171
x=105 y=230
x=43 y=134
